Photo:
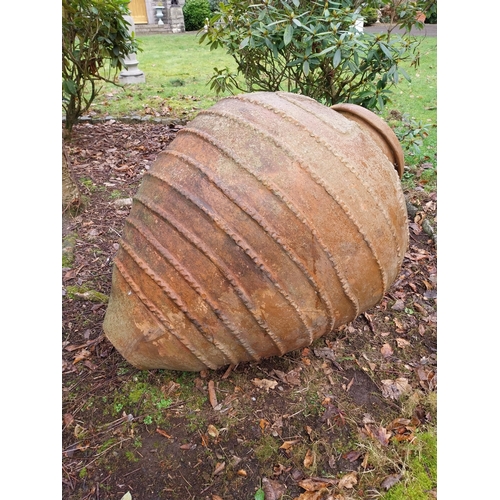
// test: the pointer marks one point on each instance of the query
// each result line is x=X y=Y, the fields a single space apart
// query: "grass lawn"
x=177 y=69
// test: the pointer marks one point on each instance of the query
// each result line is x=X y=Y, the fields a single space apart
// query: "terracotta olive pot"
x=269 y=221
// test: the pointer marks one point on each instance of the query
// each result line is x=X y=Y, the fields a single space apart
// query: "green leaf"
x=405 y=74
x=287 y=37
x=259 y=494
x=244 y=42
x=385 y=50
x=69 y=87
x=328 y=49
x=337 y=57
x=380 y=101
x=305 y=67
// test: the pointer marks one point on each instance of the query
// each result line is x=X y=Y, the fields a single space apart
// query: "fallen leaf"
x=264 y=383
x=259 y=495
x=327 y=353
x=213 y=431
x=415 y=227
x=349 y=385
x=127 y=496
x=277 y=427
x=297 y=475
x=348 y=481
x=79 y=430
x=323 y=494
x=211 y=394
x=399 y=325
x=68 y=419
x=386 y=350
x=288 y=444
x=82 y=446
x=399 y=305
x=83 y=354
x=293 y=377
x=89 y=364
x=394 y=389
x=273 y=490
x=402 y=343
x=380 y=434
x=309 y=459
x=279 y=469
x=220 y=466
x=427 y=378
x=263 y=423
x=316 y=483
x=216 y=497
x=390 y=481
x=187 y=446
x=170 y=388
x=163 y=433
x=242 y=473
x=352 y=456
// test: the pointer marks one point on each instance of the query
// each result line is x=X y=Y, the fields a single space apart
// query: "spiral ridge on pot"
x=269 y=221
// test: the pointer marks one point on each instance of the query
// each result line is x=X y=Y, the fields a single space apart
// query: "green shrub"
x=95 y=40
x=370 y=15
x=311 y=48
x=214 y=5
x=432 y=15
x=195 y=14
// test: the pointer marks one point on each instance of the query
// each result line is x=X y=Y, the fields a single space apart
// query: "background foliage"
x=95 y=39
x=195 y=14
x=312 y=48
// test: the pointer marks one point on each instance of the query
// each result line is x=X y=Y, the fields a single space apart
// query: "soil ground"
x=314 y=426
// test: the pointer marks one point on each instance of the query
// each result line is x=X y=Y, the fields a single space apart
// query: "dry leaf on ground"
x=317 y=483
x=394 y=389
x=273 y=490
x=309 y=459
x=402 y=343
x=323 y=494
x=386 y=350
x=288 y=444
x=219 y=468
x=264 y=383
x=212 y=431
x=390 y=481
x=163 y=433
x=349 y=480
x=211 y=394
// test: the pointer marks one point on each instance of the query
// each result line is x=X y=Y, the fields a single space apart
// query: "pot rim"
x=379 y=130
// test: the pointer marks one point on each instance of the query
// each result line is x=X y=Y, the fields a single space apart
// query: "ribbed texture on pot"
x=268 y=222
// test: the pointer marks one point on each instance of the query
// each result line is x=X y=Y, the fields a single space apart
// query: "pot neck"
x=379 y=131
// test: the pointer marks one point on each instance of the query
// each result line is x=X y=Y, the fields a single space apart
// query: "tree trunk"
x=70 y=189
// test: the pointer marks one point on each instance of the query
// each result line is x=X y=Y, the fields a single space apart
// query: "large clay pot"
x=268 y=222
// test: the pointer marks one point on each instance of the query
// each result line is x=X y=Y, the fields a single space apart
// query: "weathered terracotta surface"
x=268 y=222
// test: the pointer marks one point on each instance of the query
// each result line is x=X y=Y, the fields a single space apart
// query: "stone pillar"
x=176 y=16
x=131 y=73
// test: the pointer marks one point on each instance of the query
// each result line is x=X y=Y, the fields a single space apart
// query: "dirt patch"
x=156 y=434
